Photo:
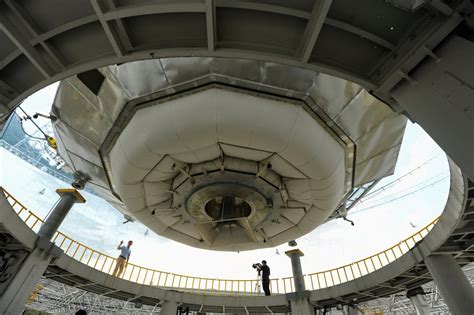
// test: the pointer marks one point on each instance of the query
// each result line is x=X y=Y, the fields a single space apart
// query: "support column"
x=298 y=279
x=352 y=310
x=68 y=198
x=458 y=294
x=169 y=308
x=23 y=282
x=416 y=297
x=299 y=301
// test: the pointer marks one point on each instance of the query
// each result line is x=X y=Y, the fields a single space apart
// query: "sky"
x=388 y=216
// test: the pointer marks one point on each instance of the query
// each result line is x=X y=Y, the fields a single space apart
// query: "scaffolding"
x=399 y=304
x=56 y=298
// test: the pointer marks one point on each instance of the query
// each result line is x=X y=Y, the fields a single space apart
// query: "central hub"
x=227 y=208
x=225 y=201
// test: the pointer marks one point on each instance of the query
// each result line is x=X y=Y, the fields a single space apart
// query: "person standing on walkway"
x=122 y=260
x=265 y=277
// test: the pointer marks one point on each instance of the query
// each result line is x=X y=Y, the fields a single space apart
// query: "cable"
x=402 y=196
x=50 y=140
x=423 y=183
x=378 y=191
x=383 y=188
x=51 y=209
x=26 y=133
x=28 y=117
x=443 y=174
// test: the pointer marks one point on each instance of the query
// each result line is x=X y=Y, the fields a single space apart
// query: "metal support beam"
x=121 y=28
x=409 y=53
x=111 y=33
x=313 y=28
x=28 y=22
x=264 y=7
x=211 y=24
x=441 y=7
x=360 y=32
x=10 y=29
x=7 y=93
x=156 y=8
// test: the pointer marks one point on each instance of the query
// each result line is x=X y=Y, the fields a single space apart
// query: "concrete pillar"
x=68 y=198
x=24 y=281
x=298 y=279
x=416 y=297
x=301 y=306
x=169 y=308
x=299 y=301
x=458 y=294
x=13 y=298
x=352 y=310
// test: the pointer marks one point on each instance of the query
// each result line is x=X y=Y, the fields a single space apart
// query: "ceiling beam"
x=211 y=24
x=7 y=93
x=313 y=28
x=110 y=32
x=257 y=6
x=410 y=51
x=33 y=28
x=121 y=28
x=4 y=100
x=156 y=8
x=24 y=46
x=360 y=32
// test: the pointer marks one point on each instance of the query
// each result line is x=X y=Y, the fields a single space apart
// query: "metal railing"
x=147 y=276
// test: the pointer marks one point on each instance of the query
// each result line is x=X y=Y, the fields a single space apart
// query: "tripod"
x=258 y=286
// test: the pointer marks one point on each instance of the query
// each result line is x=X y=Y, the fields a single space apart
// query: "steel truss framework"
x=57 y=298
x=400 y=304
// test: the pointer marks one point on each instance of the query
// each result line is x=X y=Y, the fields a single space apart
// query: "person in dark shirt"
x=265 y=277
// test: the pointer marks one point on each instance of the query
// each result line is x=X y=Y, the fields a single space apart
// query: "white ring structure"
x=213 y=130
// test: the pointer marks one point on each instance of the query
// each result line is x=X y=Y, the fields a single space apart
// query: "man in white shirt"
x=122 y=260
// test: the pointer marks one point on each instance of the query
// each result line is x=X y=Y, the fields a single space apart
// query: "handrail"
x=147 y=276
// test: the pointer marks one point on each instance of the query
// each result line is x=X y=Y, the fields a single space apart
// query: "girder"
x=382 y=39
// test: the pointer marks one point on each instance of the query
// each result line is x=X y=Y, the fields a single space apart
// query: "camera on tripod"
x=257 y=265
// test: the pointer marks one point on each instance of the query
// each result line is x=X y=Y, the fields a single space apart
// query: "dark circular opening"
x=227 y=208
